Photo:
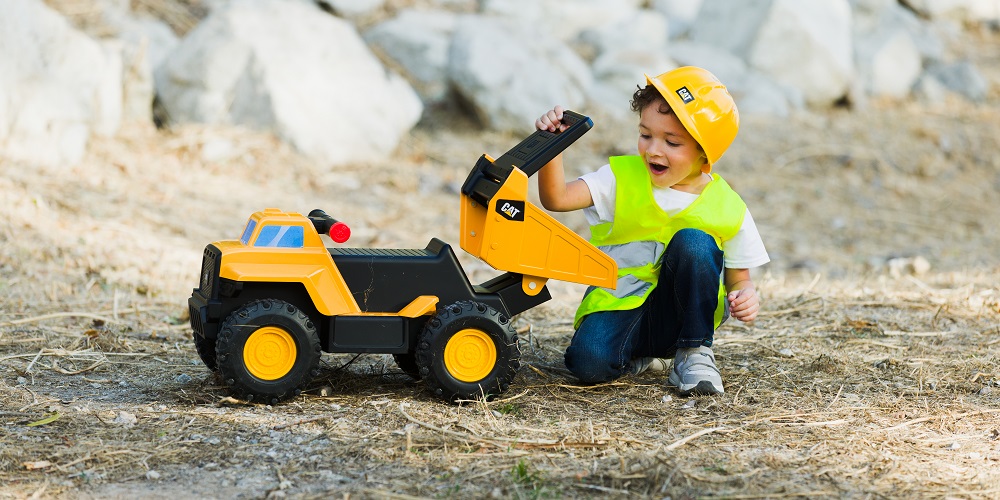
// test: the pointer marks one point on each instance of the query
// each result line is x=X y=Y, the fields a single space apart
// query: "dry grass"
x=856 y=391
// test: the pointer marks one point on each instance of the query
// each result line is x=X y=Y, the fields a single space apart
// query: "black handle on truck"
x=324 y=224
x=530 y=155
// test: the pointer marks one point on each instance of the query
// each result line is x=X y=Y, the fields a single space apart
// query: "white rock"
x=680 y=14
x=962 y=78
x=889 y=63
x=617 y=75
x=961 y=10
x=888 y=57
x=562 y=19
x=643 y=31
x=871 y=17
x=805 y=44
x=57 y=85
x=290 y=68
x=125 y=418
x=511 y=72
x=754 y=93
x=418 y=41
x=152 y=35
x=353 y=8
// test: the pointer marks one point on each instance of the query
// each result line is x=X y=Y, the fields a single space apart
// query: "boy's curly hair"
x=644 y=96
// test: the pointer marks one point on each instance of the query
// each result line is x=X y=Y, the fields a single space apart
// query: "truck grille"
x=209 y=271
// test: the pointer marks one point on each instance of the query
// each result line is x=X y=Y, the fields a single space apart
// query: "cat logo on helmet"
x=685 y=94
x=703 y=105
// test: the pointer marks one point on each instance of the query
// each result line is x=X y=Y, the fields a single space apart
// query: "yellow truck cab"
x=269 y=303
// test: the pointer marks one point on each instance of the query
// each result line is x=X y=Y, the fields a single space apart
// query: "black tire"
x=478 y=334
x=206 y=351
x=408 y=363
x=255 y=351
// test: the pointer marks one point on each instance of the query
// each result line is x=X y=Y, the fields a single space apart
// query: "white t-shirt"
x=743 y=251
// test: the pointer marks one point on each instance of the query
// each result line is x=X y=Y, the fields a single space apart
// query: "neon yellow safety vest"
x=641 y=231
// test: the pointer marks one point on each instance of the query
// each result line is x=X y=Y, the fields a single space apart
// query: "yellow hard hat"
x=703 y=105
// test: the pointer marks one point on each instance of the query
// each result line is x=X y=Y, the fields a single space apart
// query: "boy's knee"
x=691 y=246
x=591 y=365
x=693 y=240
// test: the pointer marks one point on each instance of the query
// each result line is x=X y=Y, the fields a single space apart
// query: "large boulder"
x=565 y=20
x=623 y=51
x=754 y=93
x=145 y=43
x=643 y=30
x=57 y=85
x=805 y=44
x=290 y=68
x=679 y=13
x=887 y=56
x=959 y=77
x=417 y=42
x=962 y=10
x=510 y=73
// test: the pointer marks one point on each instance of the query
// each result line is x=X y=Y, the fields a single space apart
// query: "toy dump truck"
x=270 y=303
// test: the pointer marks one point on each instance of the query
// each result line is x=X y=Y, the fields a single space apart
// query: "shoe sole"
x=704 y=388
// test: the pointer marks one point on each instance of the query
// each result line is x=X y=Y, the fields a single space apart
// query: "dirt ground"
x=872 y=371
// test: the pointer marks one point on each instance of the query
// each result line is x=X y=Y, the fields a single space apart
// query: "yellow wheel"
x=468 y=350
x=470 y=355
x=269 y=353
x=268 y=350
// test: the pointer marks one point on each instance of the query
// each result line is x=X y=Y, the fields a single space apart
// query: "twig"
x=692 y=437
x=55 y=366
x=917 y=334
x=835 y=398
x=935 y=417
x=28 y=369
x=495 y=441
x=59 y=315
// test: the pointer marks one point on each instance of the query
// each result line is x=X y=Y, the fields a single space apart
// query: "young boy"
x=683 y=239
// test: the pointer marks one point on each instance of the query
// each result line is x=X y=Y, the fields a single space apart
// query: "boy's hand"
x=552 y=121
x=744 y=304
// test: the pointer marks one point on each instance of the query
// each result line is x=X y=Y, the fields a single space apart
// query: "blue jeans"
x=679 y=312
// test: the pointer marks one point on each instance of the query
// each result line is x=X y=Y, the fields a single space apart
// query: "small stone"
x=954 y=446
x=325 y=391
x=183 y=378
x=689 y=405
x=666 y=398
x=125 y=418
x=22 y=381
x=152 y=475
x=786 y=352
x=985 y=391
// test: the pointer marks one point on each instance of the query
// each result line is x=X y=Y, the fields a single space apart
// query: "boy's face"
x=672 y=156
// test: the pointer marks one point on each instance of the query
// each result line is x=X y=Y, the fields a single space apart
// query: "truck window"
x=280 y=236
x=245 y=239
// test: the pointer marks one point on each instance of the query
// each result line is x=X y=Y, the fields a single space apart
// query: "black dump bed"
x=386 y=280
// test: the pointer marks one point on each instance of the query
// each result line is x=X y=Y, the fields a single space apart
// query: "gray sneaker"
x=695 y=372
x=640 y=365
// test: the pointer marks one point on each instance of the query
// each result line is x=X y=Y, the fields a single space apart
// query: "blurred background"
x=132 y=132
